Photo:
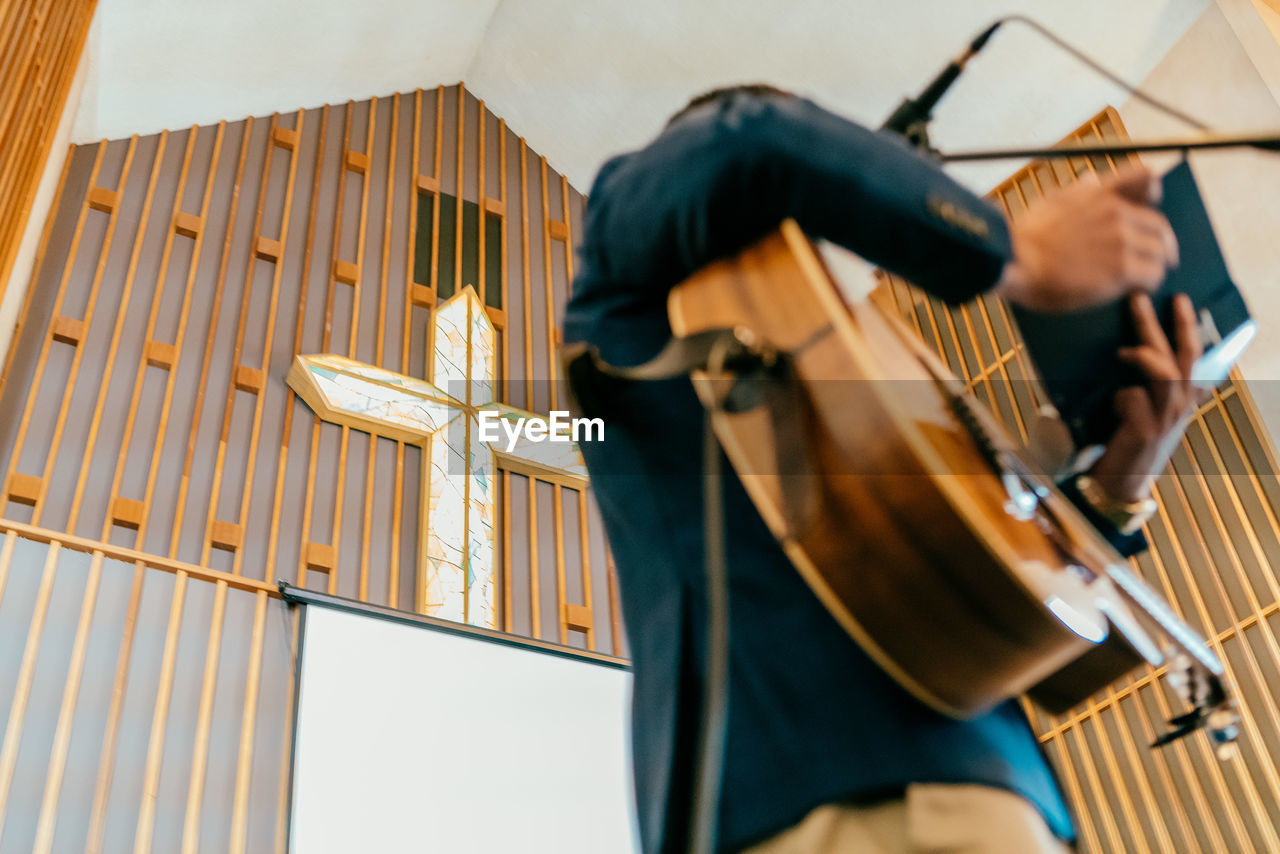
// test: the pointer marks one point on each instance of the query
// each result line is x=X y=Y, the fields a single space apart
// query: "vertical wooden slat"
x=584 y=551
x=204 y=719
x=159 y=721
x=1215 y=773
x=482 y=214
x=458 y=185
x=264 y=360
x=62 y=732
x=411 y=236
x=26 y=675
x=508 y=600
x=505 y=385
x=548 y=287
x=1088 y=833
x=277 y=504
x=106 y=761
x=557 y=527
x=535 y=600
x=248 y=720
x=34 y=84
x=615 y=607
x=334 y=252
x=36 y=269
x=237 y=353
x=435 y=201
x=6 y=559
x=362 y=224
x=397 y=518
x=524 y=269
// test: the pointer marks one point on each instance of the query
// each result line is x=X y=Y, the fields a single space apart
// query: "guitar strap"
x=718 y=352
x=756 y=377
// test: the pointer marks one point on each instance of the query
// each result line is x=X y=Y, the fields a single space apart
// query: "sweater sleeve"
x=720 y=178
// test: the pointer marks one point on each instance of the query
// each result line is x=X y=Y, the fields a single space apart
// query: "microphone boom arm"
x=1263 y=142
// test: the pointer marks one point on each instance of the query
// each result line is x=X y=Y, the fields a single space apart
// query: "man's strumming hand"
x=1090 y=242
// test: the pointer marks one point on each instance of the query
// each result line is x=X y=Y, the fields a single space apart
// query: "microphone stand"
x=1262 y=142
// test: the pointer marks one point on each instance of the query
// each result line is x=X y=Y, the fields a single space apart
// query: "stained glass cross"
x=457 y=553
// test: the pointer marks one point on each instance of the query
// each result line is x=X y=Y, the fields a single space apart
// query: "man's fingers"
x=1186 y=334
x=1150 y=334
x=1151 y=249
x=1160 y=369
x=1153 y=226
x=1157 y=366
x=1137 y=184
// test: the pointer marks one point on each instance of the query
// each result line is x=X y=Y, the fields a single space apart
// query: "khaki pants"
x=933 y=818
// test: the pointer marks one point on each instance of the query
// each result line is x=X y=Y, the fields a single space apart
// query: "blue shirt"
x=812 y=720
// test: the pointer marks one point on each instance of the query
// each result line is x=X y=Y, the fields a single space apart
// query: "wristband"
x=1127 y=516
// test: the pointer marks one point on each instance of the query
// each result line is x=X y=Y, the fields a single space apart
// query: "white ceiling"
x=583 y=80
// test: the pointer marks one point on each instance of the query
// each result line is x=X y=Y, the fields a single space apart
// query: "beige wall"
x=1211 y=74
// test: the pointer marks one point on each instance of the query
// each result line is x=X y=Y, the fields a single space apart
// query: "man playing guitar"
x=824 y=751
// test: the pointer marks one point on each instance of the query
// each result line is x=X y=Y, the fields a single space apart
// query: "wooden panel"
x=207 y=271
x=40 y=47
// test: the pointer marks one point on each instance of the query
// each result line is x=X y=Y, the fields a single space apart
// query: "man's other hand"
x=1152 y=416
x=1090 y=242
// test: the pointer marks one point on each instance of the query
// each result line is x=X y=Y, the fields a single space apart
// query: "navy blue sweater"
x=812 y=719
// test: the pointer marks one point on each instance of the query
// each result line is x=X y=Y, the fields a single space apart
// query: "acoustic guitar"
x=916 y=519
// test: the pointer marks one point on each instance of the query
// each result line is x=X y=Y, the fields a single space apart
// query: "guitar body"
x=912 y=543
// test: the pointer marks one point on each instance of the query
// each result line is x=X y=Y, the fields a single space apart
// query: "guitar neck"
x=1151 y=604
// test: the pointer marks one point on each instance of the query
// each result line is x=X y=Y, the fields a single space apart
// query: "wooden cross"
x=457 y=552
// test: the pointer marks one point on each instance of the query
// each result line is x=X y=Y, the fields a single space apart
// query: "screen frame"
x=292 y=595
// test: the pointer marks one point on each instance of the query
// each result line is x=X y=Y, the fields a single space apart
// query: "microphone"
x=911 y=118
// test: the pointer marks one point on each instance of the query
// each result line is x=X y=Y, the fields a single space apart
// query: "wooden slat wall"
x=40 y=46
x=159 y=476
x=1214 y=546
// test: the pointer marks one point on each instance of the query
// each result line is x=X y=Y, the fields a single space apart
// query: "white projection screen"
x=416 y=738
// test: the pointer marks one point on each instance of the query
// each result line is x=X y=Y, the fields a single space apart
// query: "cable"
x=1100 y=69
x=708 y=768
